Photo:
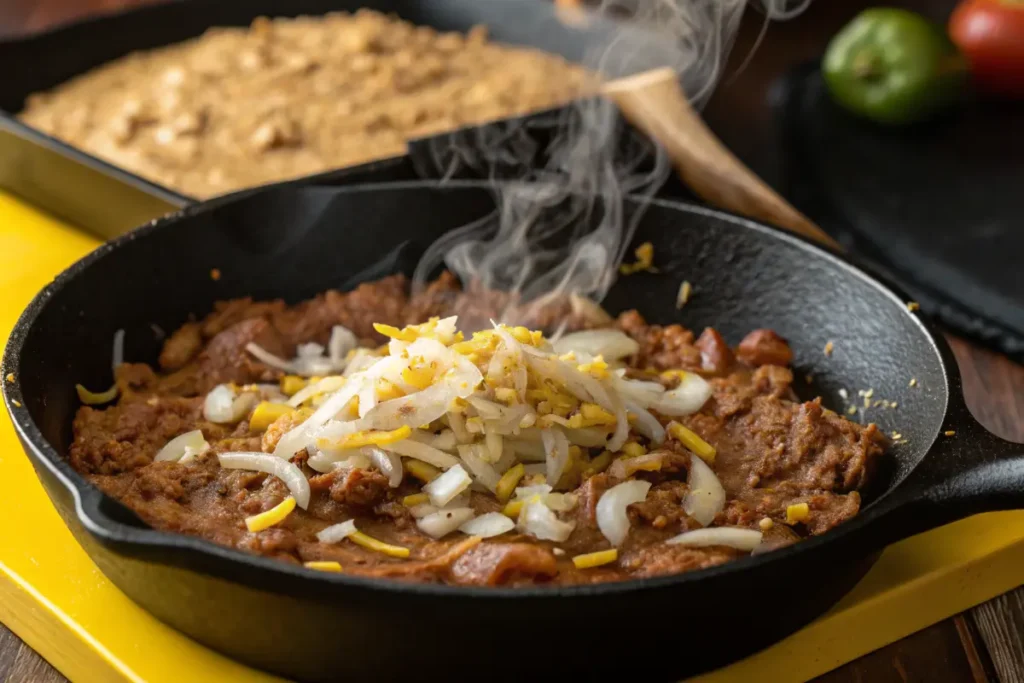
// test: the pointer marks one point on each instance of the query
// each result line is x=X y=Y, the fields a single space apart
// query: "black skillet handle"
x=969 y=470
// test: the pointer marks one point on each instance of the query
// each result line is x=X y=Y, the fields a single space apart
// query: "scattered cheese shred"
x=509 y=481
x=292 y=384
x=324 y=566
x=688 y=438
x=10 y=376
x=685 y=290
x=266 y=413
x=369 y=438
x=949 y=432
x=92 y=398
x=370 y=543
x=799 y=512
x=513 y=508
x=423 y=471
x=913 y=306
x=644 y=260
x=406 y=335
x=271 y=517
x=595 y=559
x=415 y=499
x=829 y=347
x=766 y=523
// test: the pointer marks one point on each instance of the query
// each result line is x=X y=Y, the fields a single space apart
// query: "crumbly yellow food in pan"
x=283 y=98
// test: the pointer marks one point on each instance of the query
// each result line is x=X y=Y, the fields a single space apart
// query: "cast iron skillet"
x=295 y=240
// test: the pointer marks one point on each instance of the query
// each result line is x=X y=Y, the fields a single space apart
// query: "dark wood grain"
x=983 y=645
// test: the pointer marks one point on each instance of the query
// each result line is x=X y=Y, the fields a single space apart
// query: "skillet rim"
x=198 y=555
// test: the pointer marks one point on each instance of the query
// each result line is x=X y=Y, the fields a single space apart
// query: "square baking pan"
x=107 y=200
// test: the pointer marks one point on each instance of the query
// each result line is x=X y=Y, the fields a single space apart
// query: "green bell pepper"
x=894 y=67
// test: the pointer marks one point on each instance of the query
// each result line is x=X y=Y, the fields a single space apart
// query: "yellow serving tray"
x=58 y=602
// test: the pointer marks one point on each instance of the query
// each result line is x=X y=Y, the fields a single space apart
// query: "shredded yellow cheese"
x=688 y=438
x=386 y=391
x=271 y=517
x=406 y=335
x=644 y=260
x=800 y=512
x=92 y=398
x=596 y=559
x=633 y=449
x=415 y=499
x=368 y=438
x=292 y=384
x=423 y=471
x=266 y=413
x=10 y=376
x=324 y=566
x=513 y=509
x=599 y=464
x=418 y=377
x=370 y=543
x=506 y=395
x=508 y=482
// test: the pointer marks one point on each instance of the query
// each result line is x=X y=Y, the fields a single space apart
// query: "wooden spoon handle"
x=654 y=102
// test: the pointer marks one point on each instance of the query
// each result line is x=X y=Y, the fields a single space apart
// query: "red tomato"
x=990 y=33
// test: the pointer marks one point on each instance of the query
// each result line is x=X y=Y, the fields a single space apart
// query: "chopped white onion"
x=327 y=384
x=445 y=487
x=421 y=451
x=482 y=470
x=732 y=537
x=337 y=532
x=623 y=468
x=706 y=497
x=486 y=526
x=686 y=399
x=389 y=464
x=422 y=510
x=646 y=424
x=341 y=343
x=556 y=448
x=190 y=443
x=443 y=522
x=612 y=344
x=309 y=350
x=283 y=469
x=304 y=434
x=526 y=492
x=539 y=521
x=611 y=515
x=222 y=406
x=444 y=441
x=588 y=437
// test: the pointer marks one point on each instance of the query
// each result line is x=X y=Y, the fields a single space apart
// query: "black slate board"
x=938 y=207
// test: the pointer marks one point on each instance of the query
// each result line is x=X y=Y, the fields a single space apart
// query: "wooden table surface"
x=981 y=645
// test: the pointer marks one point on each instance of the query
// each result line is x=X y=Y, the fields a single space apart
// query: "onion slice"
x=283 y=469
x=729 y=536
x=686 y=399
x=388 y=463
x=443 y=522
x=611 y=515
x=537 y=520
x=610 y=343
x=486 y=526
x=189 y=443
x=223 y=406
x=556 y=447
x=450 y=484
x=337 y=532
x=706 y=497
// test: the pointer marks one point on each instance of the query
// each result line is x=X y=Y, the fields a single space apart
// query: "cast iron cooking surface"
x=294 y=241
x=938 y=204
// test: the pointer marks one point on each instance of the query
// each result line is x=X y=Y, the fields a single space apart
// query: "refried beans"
x=789 y=469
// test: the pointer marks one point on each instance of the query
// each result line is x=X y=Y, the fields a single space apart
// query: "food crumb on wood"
x=215 y=274
x=10 y=376
x=829 y=347
x=913 y=306
x=950 y=432
x=685 y=290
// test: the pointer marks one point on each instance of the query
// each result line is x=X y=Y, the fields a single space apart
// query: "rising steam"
x=561 y=227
